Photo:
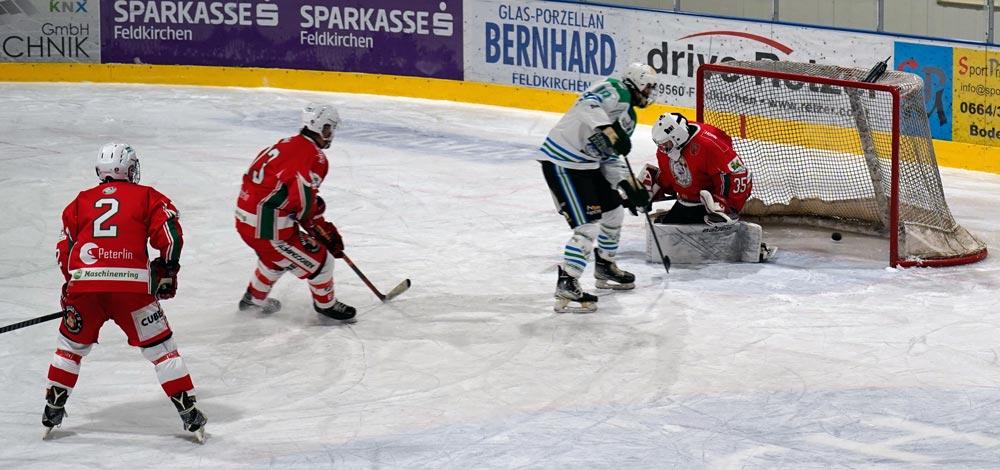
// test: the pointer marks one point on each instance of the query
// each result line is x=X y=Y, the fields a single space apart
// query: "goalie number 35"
x=741 y=184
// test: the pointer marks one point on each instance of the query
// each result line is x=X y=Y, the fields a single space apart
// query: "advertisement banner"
x=566 y=47
x=551 y=45
x=934 y=65
x=420 y=38
x=50 y=31
x=977 y=96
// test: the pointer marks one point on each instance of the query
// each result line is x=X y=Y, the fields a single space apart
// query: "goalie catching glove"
x=716 y=213
x=636 y=196
x=164 y=277
x=324 y=231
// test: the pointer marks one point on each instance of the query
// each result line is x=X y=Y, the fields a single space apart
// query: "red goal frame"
x=894 y=258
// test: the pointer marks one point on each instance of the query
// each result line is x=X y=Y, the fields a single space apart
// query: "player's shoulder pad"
x=159 y=199
x=623 y=94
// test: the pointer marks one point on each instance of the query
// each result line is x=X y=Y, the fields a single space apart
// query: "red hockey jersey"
x=102 y=247
x=708 y=161
x=280 y=189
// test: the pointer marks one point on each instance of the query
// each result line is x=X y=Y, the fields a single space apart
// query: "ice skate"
x=268 y=306
x=609 y=276
x=338 y=311
x=192 y=418
x=52 y=416
x=568 y=290
x=767 y=252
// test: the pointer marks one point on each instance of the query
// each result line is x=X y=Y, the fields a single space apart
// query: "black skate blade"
x=341 y=320
x=402 y=287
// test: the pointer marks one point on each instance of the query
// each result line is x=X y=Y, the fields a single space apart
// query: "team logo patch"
x=593 y=210
x=309 y=243
x=73 y=320
x=109 y=190
x=736 y=165
x=693 y=148
x=681 y=172
x=87 y=255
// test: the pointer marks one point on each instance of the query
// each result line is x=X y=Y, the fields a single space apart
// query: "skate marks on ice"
x=850 y=428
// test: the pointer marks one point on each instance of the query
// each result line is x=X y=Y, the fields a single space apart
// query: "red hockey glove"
x=329 y=236
x=164 y=276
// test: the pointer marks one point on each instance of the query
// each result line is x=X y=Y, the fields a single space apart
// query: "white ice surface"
x=824 y=358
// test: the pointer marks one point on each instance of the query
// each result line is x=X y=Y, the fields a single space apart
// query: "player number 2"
x=110 y=230
x=258 y=176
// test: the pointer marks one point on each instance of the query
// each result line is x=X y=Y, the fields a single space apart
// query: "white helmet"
x=316 y=117
x=117 y=162
x=671 y=127
x=640 y=79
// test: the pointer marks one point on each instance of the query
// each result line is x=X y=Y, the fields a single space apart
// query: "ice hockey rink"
x=823 y=358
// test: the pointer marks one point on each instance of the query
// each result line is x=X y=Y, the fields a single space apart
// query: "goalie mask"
x=670 y=133
x=640 y=79
x=117 y=162
x=321 y=120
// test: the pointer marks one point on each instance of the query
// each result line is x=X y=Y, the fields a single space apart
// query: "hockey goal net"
x=829 y=150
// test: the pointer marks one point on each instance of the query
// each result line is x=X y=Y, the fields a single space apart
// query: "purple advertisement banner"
x=421 y=38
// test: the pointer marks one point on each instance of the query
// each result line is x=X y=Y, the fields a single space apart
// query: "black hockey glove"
x=164 y=275
x=636 y=196
x=624 y=143
x=602 y=142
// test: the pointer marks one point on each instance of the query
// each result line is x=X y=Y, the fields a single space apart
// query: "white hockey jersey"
x=602 y=104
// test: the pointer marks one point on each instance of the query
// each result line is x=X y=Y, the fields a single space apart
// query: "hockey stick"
x=399 y=289
x=33 y=321
x=649 y=222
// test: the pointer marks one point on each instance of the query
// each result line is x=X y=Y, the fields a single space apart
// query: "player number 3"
x=257 y=176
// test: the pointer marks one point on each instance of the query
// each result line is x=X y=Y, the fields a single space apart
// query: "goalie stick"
x=399 y=289
x=652 y=231
x=33 y=321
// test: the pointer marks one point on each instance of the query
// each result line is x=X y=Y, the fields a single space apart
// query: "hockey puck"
x=836 y=236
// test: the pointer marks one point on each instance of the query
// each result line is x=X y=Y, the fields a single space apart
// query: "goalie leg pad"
x=697 y=244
